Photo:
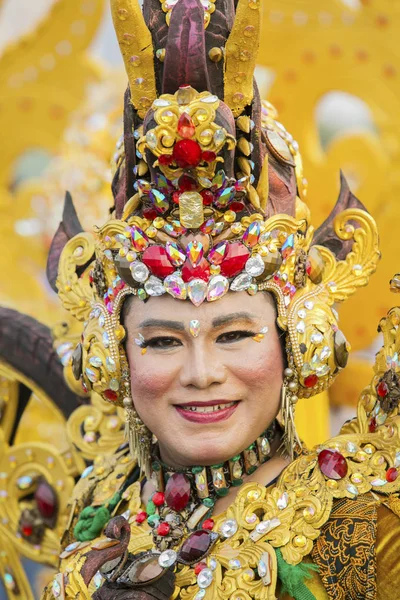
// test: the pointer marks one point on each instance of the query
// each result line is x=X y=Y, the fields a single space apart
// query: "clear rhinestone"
x=251 y=518
x=306 y=370
x=114 y=385
x=217 y=287
x=350 y=447
x=194 y=327
x=302 y=313
x=106 y=340
x=204 y=578
x=213 y=564
x=317 y=338
x=255 y=265
x=167 y=558
x=325 y=353
x=219 y=136
x=309 y=304
x=241 y=282
x=197 y=291
x=110 y=364
x=161 y=102
x=229 y=528
x=322 y=370
x=101 y=320
x=95 y=361
x=85 y=473
x=200 y=595
x=98 y=580
x=154 y=286
x=175 y=286
x=352 y=489
x=56 y=589
x=139 y=271
x=397 y=459
x=235 y=564
x=91 y=375
x=209 y=99
x=262 y=568
x=378 y=482
x=151 y=139
x=283 y=501
x=301 y=327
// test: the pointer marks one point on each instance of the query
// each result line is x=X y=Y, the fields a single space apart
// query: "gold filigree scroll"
x=75 y=291
x=96 y=428
x=21 y=464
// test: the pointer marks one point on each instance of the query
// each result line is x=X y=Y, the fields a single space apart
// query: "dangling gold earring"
x=289 y=399
x=136 y=433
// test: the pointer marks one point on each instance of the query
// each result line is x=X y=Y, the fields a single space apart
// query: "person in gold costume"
x=207 y=309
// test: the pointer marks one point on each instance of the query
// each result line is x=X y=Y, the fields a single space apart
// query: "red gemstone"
x=175 y=197
x=372 y=425
x=110 y=395
x=141 y=517
x=177 y=491
x=186 y=184
x=158 y=498
x=237 y=207
x=209 y=156
x=202 y=271
x=46 y=500
x=163 y=529
x=150 y=214
x=84 y=387
x=195 y=547
x=332 y=464
x=208 y=524
x=165 y=159
x=382 y=389
x=199 y=567
x=391 y=474
x=187 y=153
x=235 y=259
x=311 y=380
x=91 y=276
x=208 y=197
x=156 y=258
x=26 y=530
x=186 y=128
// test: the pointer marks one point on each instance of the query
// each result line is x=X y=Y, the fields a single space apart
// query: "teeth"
x=208 y=409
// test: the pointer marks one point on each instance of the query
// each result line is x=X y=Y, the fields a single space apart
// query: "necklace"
x=185 y=497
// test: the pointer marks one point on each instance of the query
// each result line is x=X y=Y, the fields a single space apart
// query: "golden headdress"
x=209 y=196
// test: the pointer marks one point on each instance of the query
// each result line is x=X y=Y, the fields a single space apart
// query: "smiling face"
x=205 y=398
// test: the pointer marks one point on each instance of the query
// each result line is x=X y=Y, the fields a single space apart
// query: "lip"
x=208 y=403
x=211 y=417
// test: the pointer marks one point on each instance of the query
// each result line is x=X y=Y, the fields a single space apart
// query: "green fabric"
x=92 y=520
x=292 y=578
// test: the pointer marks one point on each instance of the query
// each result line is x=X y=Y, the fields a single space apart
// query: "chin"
x=208 y=450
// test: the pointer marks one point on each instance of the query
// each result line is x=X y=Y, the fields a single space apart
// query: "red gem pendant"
x=177 y=491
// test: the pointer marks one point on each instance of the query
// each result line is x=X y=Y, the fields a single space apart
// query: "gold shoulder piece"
x=73 y=290
x=344 y=277
x=240 y=56
x=136 y=46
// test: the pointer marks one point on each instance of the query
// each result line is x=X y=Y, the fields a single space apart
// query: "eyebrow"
x=237 y=316
x=177 y=325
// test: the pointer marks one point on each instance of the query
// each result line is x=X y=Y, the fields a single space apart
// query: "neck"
x=210 y=482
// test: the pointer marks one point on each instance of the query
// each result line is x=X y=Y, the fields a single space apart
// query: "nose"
x=202 y=368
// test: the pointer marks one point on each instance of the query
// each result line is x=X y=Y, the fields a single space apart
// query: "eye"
x=234 y=336
x=162 y=342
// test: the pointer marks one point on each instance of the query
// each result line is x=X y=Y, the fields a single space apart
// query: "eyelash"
x=161 y=342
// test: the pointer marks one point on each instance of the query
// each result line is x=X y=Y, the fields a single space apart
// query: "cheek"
x=262 y=367
x=150 y=377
